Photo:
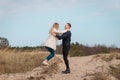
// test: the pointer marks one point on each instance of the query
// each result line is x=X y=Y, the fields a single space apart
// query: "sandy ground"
x=79 y=69
x=82 y=68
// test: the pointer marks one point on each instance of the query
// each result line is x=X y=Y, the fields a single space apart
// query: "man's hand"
x=68 y=29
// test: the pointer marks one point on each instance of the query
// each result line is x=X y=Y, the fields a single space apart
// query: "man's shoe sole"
x=63 y=72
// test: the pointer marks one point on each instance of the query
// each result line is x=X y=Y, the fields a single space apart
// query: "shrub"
x=104 y=49
x=4 y=42
x=75 y=50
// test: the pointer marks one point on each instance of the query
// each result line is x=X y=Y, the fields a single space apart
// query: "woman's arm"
x=59 y=32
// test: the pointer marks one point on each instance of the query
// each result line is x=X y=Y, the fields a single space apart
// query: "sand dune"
x=82 y=68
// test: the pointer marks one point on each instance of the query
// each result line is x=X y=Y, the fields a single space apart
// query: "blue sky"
x=27 y=22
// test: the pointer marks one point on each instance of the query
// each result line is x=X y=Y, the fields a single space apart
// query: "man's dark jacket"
x=66 y=38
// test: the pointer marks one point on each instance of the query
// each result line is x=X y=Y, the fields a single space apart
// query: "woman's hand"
x=53 y=33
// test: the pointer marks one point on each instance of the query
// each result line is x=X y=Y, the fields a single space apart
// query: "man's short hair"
x=69 y=25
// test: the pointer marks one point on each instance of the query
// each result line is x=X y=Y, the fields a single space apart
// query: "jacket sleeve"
x=59 y=32
x=62 y=36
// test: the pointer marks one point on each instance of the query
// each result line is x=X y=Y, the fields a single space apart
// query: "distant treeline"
x=75 y=50
x=25 y=48
x=85 y=50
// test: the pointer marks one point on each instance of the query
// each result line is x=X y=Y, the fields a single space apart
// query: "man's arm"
x=59 y=32
x=62 y=36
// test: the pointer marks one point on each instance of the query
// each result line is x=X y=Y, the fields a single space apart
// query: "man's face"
x=67 y=26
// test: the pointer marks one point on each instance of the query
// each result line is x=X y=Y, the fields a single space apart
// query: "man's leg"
x=65 y=57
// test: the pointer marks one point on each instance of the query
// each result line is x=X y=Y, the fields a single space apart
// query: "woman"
x=51 y=42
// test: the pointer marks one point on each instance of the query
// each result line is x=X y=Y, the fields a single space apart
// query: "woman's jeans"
x=52 y=53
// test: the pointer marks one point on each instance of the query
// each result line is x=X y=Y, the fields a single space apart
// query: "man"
x=66 y=39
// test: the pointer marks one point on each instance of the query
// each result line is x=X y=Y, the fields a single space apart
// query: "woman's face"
x=57 y=27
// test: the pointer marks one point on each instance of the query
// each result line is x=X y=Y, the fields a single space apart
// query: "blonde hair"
x=56 y=26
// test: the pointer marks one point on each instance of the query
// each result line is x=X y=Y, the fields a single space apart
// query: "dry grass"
x=53 y=68
x=106 y=57
x=47 y=71
x=100 y=76
x=115 y=71
x=17 y=61
x=110 y=57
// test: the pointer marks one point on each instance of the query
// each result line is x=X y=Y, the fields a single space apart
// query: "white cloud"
x=20 y=6
x=16 y=6
x=90 y=15
x=109 y=5
x=114 y=5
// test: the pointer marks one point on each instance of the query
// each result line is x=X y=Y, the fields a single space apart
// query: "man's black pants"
x=65 y=56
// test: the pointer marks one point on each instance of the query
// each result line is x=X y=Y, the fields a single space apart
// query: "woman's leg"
x=51 y=55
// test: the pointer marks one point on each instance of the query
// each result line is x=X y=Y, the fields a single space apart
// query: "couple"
x=51 y=43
